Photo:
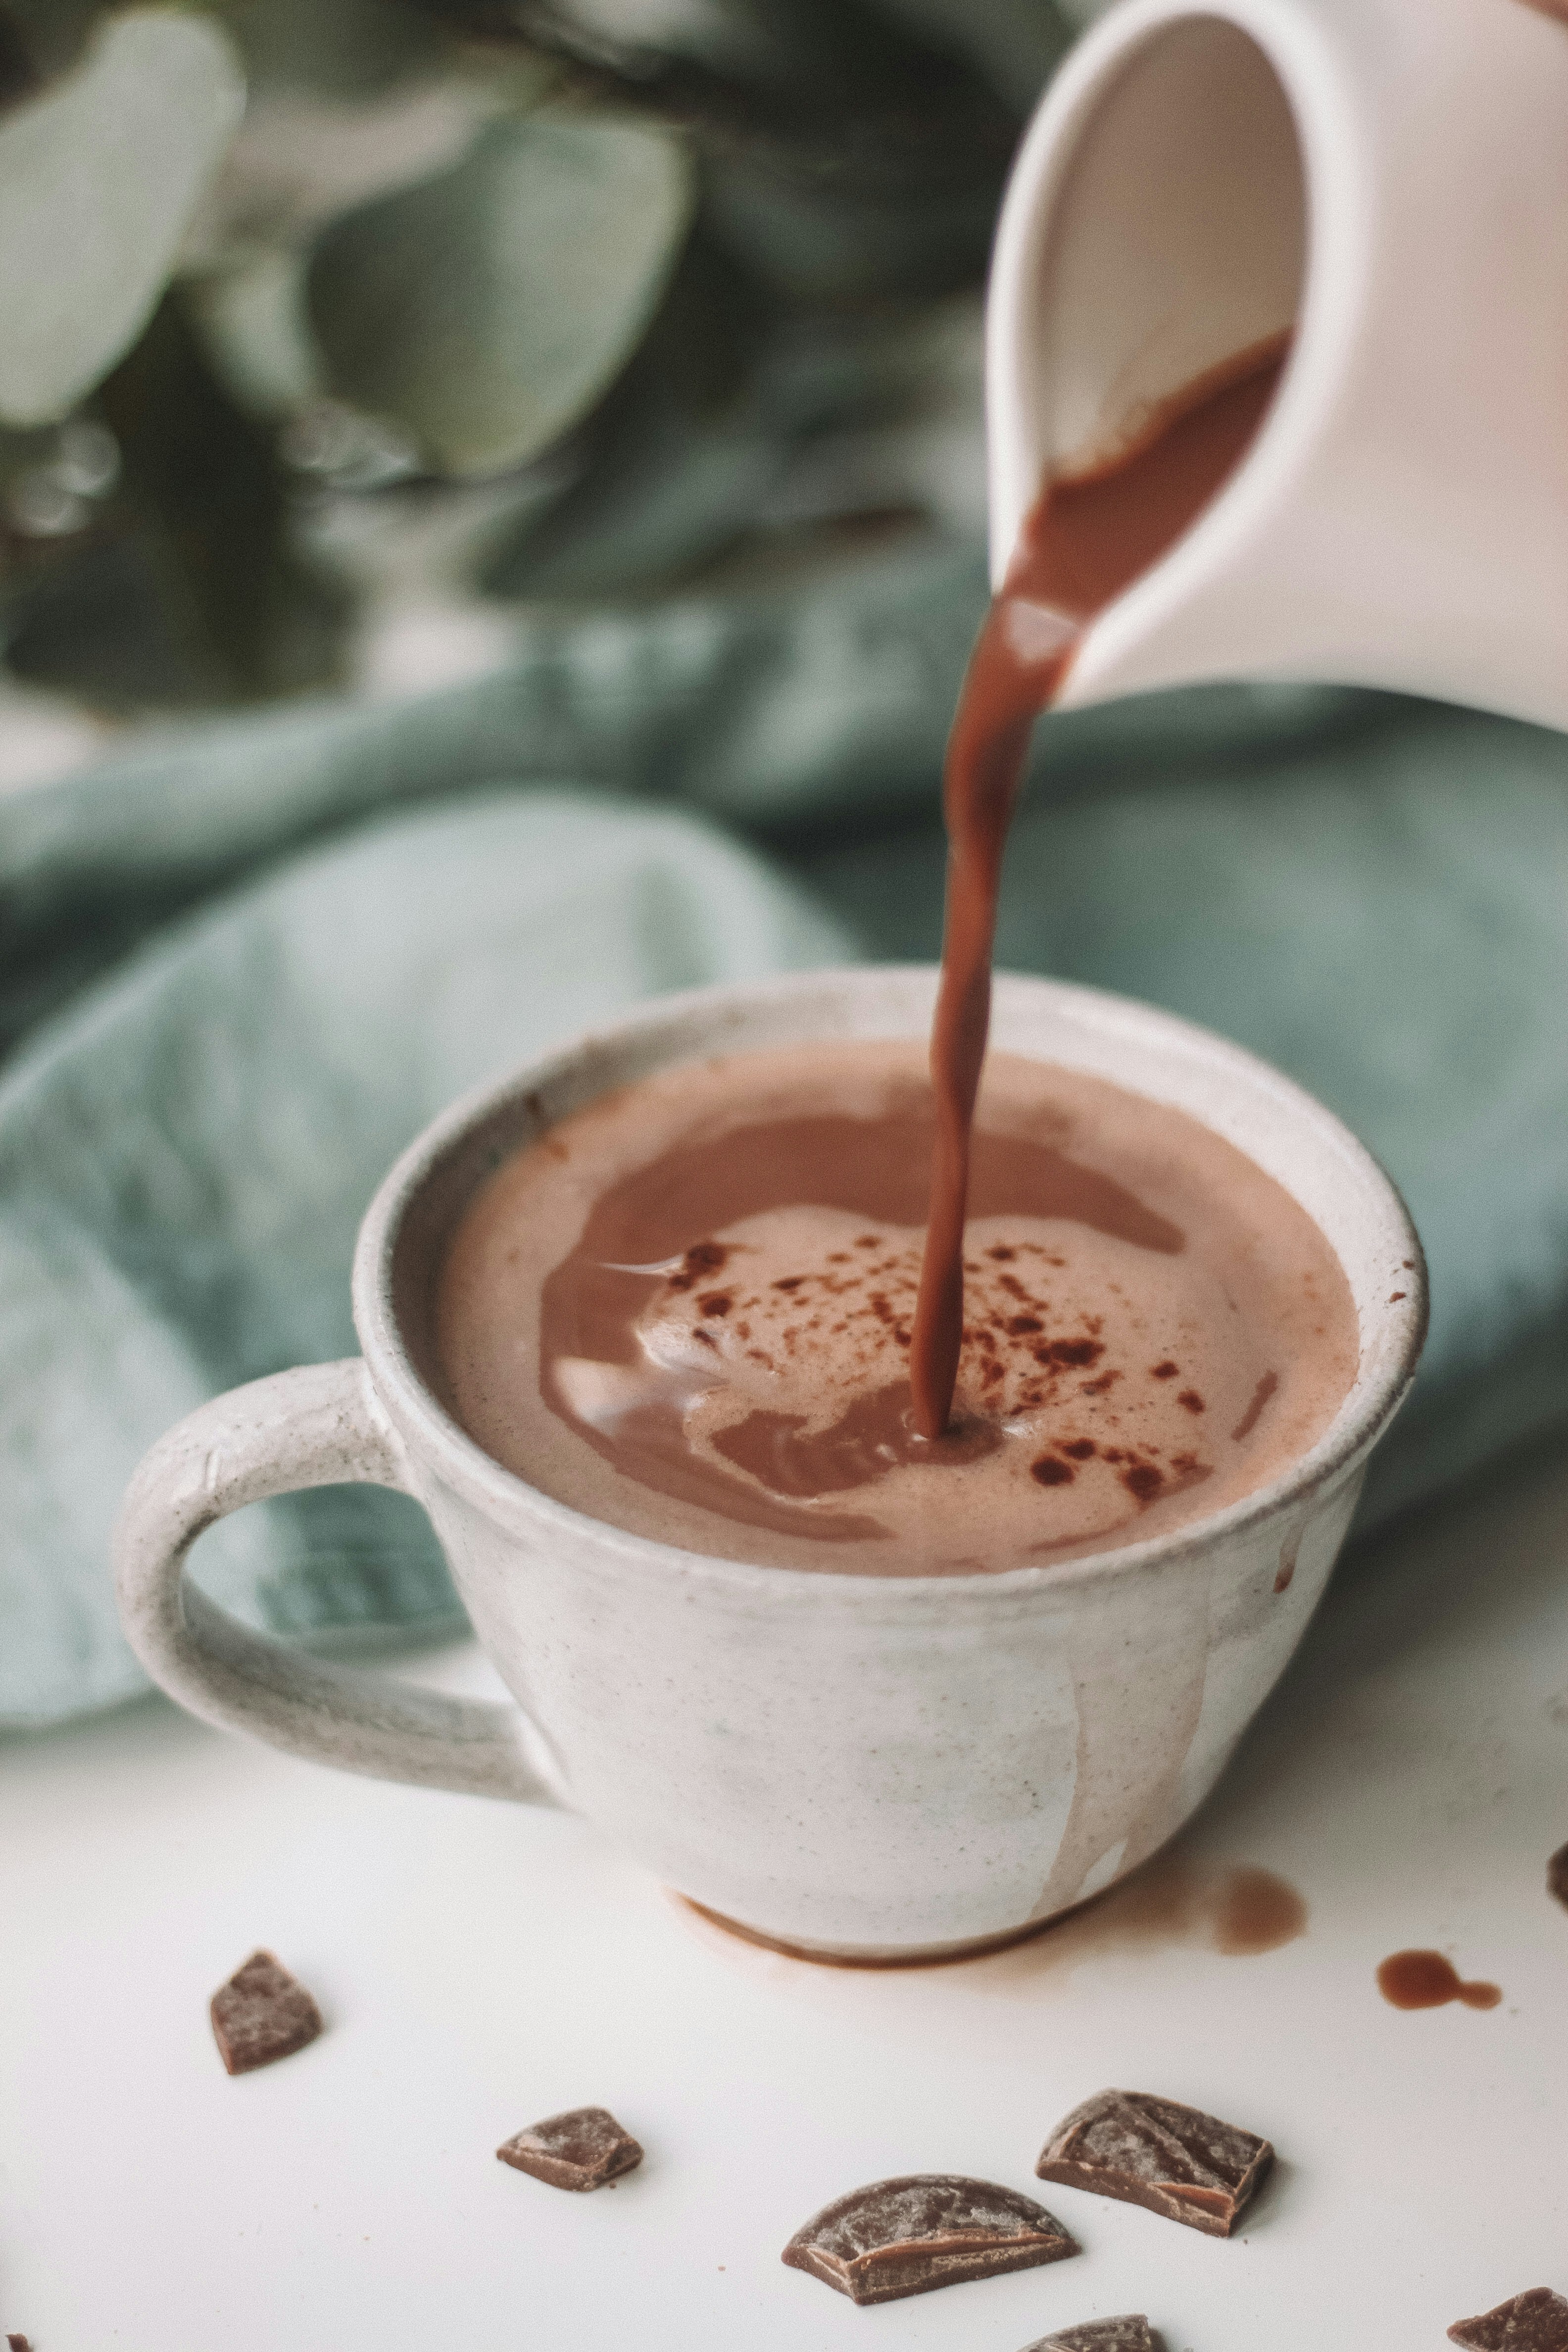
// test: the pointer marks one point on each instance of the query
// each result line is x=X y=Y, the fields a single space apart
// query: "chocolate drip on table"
x=1085 y=541
x=1429 y=1980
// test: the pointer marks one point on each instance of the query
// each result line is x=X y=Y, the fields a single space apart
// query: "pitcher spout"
x=1385 y=183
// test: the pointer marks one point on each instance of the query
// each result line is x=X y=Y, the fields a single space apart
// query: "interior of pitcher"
x=1170 y=237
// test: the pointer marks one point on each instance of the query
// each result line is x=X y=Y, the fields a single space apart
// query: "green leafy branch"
x=272 y=251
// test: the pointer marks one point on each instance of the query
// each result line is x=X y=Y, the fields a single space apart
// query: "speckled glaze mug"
x=856 y=1767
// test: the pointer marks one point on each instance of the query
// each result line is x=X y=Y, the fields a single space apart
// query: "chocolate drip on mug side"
x=1086 y=540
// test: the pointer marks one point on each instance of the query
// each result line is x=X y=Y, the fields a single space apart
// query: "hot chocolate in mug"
x=871 y=1767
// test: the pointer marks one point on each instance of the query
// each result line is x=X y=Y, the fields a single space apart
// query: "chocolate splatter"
x=1241 y=1911
x=1254 y=1911
x=703 y=1257
x=1254 y=1413
x=1557 y=1875
x=1427 y=1980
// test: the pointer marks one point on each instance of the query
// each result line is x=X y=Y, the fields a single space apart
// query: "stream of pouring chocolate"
x=1085 y=541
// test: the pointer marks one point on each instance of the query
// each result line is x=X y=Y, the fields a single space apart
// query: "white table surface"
x=481 y=1967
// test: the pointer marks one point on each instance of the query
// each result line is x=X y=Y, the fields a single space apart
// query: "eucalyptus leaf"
x=299 y=159
x=674 y=462
x=830 y=417
x=98 y=178
x=486 y=309
x=254 y=329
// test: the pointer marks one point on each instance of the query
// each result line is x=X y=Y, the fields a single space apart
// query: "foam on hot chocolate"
x=686 y=1312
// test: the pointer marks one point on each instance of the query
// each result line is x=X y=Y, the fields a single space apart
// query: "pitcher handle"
x=317 y=1426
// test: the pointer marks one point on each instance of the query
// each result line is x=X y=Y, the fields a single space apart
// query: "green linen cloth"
x=184 y=1159
x=203 y=1089
x=815 y=706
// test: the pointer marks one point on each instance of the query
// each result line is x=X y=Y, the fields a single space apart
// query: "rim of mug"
x=1369 y=1405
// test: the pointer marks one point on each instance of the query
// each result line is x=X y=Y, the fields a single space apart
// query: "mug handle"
x=317 y=1426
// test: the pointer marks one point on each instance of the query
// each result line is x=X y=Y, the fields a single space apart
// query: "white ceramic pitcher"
x=1389 y=178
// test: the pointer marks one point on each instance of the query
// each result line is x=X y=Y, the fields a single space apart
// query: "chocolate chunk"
x=1557 y=1874
x=17 y=2344
x=1152 y=2152
x=580 y=2149
x=1536 y=2320
x=1131 y=2333
x=925 y=2230
x=262 y=2014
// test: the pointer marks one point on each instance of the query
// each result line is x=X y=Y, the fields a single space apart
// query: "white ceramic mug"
x=1387 y=180
x=856 y=1766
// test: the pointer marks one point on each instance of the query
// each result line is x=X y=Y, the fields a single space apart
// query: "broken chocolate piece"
x=1557 y=1874
x=923 y=2231
x=17 y=2344
x=1187 y=2166
x=1131 y=2333
x=580 y=2149
x=262 y=2014
x=1536 y=2320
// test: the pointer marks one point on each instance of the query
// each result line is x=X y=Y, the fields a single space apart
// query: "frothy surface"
x=686 y=1312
